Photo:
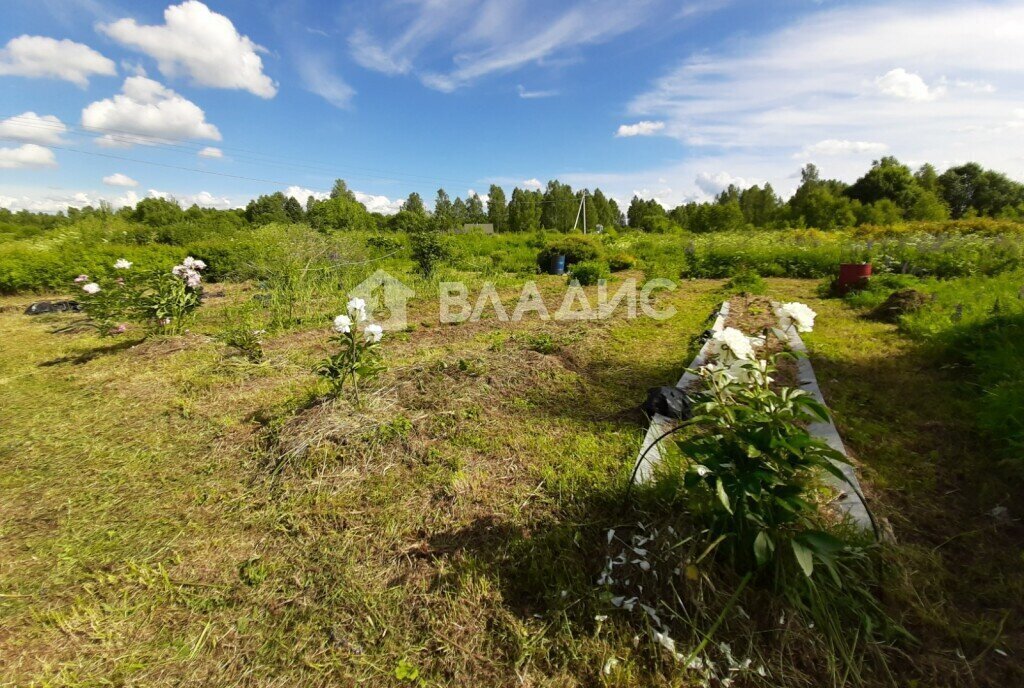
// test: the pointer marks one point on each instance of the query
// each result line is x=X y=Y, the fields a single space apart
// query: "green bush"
x=589 y=272
x=621 y=261
x=745 y=281
x=576 y=248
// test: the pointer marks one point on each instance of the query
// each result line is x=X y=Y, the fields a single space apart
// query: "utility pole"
x=581 y=210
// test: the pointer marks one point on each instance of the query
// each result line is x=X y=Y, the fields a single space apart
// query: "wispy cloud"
x=318 y=77
x=528 y=94
x=451 y=44
x=845 y=83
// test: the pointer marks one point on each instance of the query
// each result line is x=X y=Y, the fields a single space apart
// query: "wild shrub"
x=745 y=281
x=589 y=272
x=430 y=249
x=621 y=261
x=576 y=248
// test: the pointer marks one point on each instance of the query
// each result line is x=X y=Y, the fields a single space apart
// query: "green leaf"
x=722 y=496
x=763 y=548
x=804 y=557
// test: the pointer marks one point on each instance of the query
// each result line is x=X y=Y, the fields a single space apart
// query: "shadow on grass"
x=91 y=354
x=911 y=422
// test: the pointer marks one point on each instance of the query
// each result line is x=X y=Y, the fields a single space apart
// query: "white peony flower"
x=189 y=274
x=795 y=314
x=731 y=345
x=357 y=309
x=122 y=264
x=193 y=263
x=373 y=333
x=91 y=288
x=343 y=324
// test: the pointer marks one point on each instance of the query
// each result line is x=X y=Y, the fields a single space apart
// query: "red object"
x=853 y=276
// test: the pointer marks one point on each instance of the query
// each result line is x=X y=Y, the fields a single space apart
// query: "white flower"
x=82 y=278
x=795 y=313
x=373 y=333
x=343 y=324
x=91 y=288
x=122 y=264
x=731 y=345
x=193 y=263
x=189 y=274
x=357 y=309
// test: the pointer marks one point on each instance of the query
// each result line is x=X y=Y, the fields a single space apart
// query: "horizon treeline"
x=888 y=193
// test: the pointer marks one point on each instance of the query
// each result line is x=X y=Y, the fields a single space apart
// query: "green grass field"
x=173 y=514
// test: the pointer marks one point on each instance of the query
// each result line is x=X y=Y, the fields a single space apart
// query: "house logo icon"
x=386 y=297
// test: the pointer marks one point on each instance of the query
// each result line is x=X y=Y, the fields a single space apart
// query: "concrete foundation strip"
x=644 y=467
x=849 y=500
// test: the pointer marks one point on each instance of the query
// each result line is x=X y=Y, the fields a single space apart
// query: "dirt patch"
x=900 y=303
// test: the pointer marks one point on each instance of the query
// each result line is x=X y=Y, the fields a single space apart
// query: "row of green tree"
x=888 y=193
x=557 y=207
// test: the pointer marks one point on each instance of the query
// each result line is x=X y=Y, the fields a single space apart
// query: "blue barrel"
x=557 y=266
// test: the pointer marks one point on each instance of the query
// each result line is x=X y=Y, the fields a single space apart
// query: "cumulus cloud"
x=42 y=57
x=841 y=147
x=148 y=113
x=118 y=179
x=26 y=155
x=32 y=128
x=713 y=184
x=211 y=152
x=532 y=184
x=301 y=193
x=379 y=204
x=373 y=203
x=196 y=42
x=49 y=202
x=899 y=83
x=644 y=128
x=318 y=77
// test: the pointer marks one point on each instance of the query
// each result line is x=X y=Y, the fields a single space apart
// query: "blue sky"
x=671 y=100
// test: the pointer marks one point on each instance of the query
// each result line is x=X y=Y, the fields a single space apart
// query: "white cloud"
x=118 y=179
x=301 y=193
x=379 y=204
x=26 y=155
x=318 y=77
x=841 y=147
x=50 y=202
x=373 y=203
x=751 y=106
x=148 y=113
x=644 y=128
x=201 y=44
x=32 y=128
x=525 y=93
x=532 y=184
x=899 y=83
x=451 y=44
x=211 y=152
x=713 y=184
x=372 y=56
x=39 y=56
